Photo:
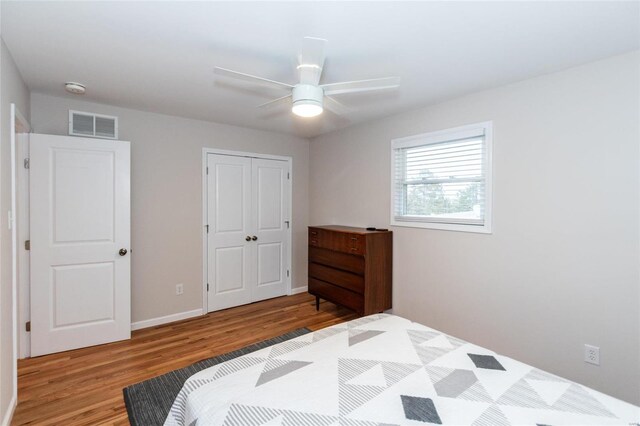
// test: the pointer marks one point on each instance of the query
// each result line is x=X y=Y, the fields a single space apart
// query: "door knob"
x=254 y=238
x=122 y=252
x=247 y=238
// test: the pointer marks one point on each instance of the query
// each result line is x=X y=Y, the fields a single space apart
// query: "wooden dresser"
x=351 y=267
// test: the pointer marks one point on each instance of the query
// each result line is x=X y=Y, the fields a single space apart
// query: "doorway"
x=247 y=228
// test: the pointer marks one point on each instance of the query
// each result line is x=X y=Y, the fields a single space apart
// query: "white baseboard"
x=297 y=290
x=6 y=421
x=185 y=315
x=166 y=319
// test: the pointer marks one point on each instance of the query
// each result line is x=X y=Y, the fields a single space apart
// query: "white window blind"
x=442 y=180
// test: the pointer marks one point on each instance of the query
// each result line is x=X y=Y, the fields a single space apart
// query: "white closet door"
x=80 y=234
x=231 y=252
x=247 y=244
x=270 y=205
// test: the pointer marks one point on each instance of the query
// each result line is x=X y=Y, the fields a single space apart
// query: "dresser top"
x=349 y=229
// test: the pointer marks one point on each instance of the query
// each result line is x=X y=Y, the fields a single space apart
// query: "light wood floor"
x=84 y=387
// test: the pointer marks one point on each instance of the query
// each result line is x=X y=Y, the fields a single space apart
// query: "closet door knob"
x=254 y=238
x=122 y=252
x=247 y=238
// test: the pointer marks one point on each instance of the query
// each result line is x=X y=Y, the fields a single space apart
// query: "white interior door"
x=80 y=236
x=231 y=252
x=248 y=240
x=270 y=213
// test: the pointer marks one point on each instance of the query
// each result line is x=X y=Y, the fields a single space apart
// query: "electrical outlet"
x=592 y=354
x=179 y=289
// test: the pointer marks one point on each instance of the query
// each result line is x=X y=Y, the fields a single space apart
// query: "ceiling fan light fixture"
x=307 y=108
x=307 y=100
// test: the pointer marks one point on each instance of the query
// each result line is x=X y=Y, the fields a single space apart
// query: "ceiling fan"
x=309 y=97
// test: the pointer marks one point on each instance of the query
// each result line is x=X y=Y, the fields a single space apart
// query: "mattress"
x=386 y=370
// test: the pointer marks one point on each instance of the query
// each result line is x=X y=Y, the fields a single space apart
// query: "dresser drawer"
x=315 y=237
x=338 y=241
x=340 y=278
x=334 y=259
x=350 y=243
x=328 y=291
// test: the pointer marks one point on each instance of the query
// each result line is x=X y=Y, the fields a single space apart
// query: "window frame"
x=441 y=136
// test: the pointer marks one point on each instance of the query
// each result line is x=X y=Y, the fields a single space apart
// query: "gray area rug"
x=148 y=403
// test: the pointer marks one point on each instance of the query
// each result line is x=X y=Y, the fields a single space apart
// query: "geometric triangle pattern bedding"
x=386 y=370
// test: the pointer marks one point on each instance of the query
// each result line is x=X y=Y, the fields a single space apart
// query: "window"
x=442 y=180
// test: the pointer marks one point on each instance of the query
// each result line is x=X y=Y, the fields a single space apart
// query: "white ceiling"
x=159 y=56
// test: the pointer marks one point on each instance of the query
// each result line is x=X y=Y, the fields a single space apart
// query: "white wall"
x=166 y=195
x=561 y=267
x=12 y=90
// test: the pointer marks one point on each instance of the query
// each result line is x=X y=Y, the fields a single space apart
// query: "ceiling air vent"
x=93 y=125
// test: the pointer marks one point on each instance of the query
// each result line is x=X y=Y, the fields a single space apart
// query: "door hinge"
x=207 y=169
x=27 y=245
x=27 y=326
x=207 y=226
x=207 y=286
x=287 y=222
x=26 y=163
x=287 y=272
x=288 y=176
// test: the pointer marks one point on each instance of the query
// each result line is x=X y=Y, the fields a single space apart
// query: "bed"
x=386 y=370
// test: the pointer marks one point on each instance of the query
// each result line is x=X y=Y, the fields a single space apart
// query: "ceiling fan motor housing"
x=307 y=93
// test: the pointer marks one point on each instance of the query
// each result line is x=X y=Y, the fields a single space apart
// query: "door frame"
x=205 y=257
x=14 y=222
x=21 y=222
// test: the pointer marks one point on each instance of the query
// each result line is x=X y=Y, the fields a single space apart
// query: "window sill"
x=477 y=229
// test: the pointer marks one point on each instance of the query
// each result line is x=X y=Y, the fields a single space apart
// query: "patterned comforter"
x=386 y=370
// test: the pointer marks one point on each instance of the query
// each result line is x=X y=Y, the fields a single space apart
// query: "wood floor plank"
x=84 y=386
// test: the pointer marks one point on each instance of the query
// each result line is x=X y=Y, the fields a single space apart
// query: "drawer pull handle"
x=354 y=238
x=314 y=233
x=314 y=242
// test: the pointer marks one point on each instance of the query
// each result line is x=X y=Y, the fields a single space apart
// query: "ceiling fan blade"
x=311 y=60
x=361 y=85
x=275 y=102
x=335 y=107
x=250 y=78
